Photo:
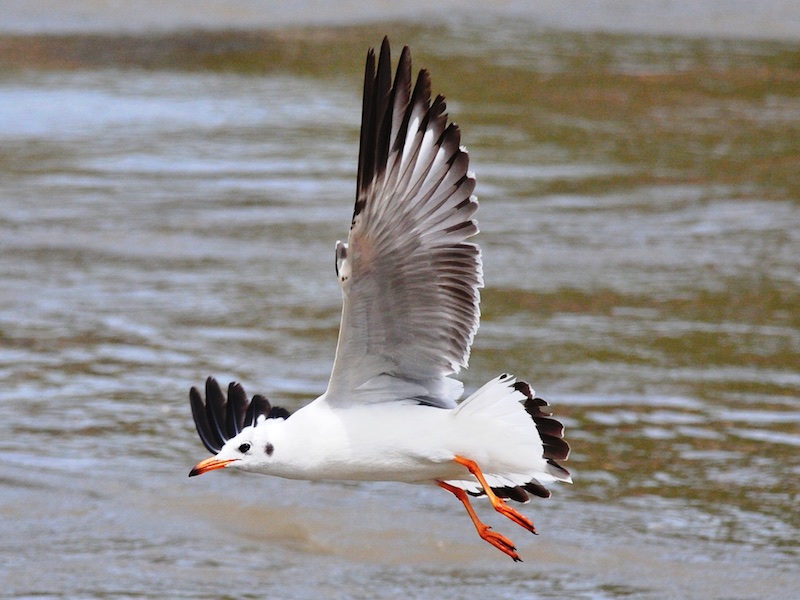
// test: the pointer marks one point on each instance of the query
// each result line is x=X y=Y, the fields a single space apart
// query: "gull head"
x=250 y=450
x=238 y=430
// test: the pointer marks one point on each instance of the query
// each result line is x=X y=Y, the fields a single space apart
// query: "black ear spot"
x=269 y=449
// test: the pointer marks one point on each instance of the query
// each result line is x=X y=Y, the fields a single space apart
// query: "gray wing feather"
x=409 y=278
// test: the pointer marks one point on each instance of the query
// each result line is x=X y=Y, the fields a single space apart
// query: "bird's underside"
x=410 y=283
x=219 y=418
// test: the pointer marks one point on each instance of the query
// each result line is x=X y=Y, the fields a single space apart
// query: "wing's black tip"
x=550 y=429
x=386 y=112
x=218 y=418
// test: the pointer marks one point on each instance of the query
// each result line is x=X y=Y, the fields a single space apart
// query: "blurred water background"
x=173 y=180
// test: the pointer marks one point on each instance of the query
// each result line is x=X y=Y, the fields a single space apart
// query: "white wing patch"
x=343 y=270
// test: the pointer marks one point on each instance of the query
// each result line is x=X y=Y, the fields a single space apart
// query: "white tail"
x=509 y=407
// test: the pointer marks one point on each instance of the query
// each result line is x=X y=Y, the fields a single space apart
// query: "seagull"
x=410 y=284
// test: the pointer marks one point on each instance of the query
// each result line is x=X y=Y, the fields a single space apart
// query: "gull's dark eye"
x=244 y=448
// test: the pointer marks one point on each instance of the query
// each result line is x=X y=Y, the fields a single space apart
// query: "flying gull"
x=410 y=282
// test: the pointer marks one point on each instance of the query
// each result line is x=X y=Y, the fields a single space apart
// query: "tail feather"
x=550 y=430
x=500 y=399
x=517 y=493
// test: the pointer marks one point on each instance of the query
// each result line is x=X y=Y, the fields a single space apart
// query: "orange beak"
x=210 y=464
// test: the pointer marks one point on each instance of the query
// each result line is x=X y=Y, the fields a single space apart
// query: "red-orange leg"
x=498 y=503
x=497 y=540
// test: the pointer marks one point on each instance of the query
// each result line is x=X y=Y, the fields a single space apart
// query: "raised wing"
x=410 y=281
x=218 y=418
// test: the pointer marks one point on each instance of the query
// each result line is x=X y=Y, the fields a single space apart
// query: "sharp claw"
x=518 y=518
x=500 y=542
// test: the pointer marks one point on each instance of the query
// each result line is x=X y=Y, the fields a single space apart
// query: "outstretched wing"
x=410 y=280
x=218 y=418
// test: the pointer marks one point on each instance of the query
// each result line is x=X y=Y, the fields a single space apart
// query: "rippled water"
x=169 y=209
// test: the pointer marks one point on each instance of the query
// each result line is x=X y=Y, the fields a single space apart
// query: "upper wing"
x=218 y=418
x=410 y=282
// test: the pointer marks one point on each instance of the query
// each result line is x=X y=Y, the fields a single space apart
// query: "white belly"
x=394 y=442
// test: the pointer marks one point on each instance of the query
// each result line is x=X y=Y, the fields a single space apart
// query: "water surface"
x=169 y=209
